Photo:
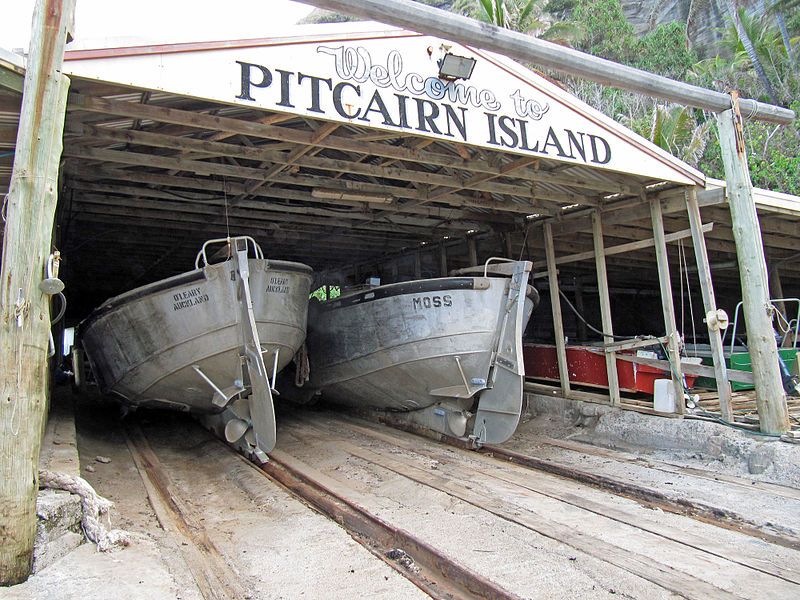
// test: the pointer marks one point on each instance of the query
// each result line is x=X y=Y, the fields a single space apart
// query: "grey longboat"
x=209 y=341
x=434 y=350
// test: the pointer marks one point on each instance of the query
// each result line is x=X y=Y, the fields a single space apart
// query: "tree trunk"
x=786 y=40
x=751 y=51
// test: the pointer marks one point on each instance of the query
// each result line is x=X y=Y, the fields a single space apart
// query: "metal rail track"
x=435 y=573
x=452 y=481
x=216 y=579
x=700 y=511
x=432 y=571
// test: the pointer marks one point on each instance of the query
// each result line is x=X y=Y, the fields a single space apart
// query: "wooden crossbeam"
x=449 y=183
x=336 y=142
x=209 y=168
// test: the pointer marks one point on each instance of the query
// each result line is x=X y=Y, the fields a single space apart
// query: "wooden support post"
x=582 y=334
x=443 y=259
x=770 y=396
x=472 y=249
x=25 y=324
x=667 y=305
x=395 y=270
x=509 y=246
x=417 y=264
x=555 y=301
x=776 y=287
x=709 y=303
x=605 y=306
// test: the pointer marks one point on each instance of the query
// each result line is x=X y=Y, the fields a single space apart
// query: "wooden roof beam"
x=337 y=142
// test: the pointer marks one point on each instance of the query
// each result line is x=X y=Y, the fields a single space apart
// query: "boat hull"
x=147 y=345
x=405 y=347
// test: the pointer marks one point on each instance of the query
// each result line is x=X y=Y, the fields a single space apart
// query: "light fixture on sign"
x=332 y=194
x=452 y=67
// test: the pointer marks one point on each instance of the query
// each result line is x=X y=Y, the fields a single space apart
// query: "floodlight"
x=452 y=67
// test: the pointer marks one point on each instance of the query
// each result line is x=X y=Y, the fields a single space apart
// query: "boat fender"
x=533 y=295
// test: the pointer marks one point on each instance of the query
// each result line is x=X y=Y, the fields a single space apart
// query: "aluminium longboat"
x=209 y=341
x=446 y=353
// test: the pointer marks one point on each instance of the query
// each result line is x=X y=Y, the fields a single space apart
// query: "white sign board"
x=392 y=83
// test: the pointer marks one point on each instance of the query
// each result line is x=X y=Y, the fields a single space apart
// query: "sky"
x=158 y=20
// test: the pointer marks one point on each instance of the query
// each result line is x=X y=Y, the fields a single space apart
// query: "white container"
x=664 y=396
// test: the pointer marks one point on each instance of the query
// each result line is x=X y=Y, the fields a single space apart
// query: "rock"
x=102 y=459
x=58 y=527
x=90 y=469
x=760 y=459
x=704 y=26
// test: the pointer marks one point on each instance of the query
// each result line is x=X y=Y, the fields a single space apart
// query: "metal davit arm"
x=262 y=412
x=500 y=406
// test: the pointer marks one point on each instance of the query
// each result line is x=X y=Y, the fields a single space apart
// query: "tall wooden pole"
x=605 y=306
x=555 y=301
x=667 y=304
x=773 y=414
x=709 y=303
x=25 y=323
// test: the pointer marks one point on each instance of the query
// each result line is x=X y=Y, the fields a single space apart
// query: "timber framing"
x=136 y=161
x=148 y=175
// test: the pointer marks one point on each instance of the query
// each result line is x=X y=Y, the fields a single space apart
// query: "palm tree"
x=776 y=8
x=770 y=49
x=675 y=130
x=735 y=13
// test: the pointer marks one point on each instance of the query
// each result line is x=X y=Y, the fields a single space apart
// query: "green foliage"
x=525 y=16
x=319 y=293
x=773 y=155
x=665 y=51
x=606 y=31
x=675 y=130
x=600 y=28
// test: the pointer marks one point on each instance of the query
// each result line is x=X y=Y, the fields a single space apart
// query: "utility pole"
x=773 y=414
x=25 y=323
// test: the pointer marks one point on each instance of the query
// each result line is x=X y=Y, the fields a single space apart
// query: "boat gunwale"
x=417 y=286
x=181 y=279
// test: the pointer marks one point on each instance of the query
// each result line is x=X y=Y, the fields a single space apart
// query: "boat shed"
x=349 y=147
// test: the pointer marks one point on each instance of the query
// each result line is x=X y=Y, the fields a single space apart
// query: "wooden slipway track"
x=463 y=524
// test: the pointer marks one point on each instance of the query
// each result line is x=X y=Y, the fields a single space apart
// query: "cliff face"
x=704 y=19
